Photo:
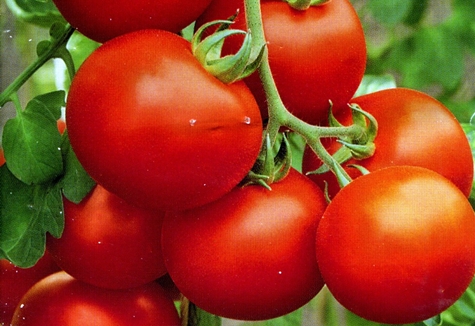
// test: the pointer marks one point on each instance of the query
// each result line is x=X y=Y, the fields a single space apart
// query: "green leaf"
x=31 y=141
x=42 y=13
x=27 y=213
x=76 y=182
x=54 y=102
x=390 y=12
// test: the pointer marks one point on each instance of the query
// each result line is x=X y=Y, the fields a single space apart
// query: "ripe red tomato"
x=61 y=300
x=103 y=20
x=251 y=254
x=2 y=157
x=189 y=138
x=397 y=246
x=414 y=129
x=315 y=55
x=109 y=243
x=15 y=282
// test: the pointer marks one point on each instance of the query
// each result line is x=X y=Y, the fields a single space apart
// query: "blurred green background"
x=427 y=45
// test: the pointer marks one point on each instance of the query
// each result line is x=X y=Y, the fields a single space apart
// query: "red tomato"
x=189 y=138
x=103 y=20
x=414 y=129
x=61 y=300
x=251 y=254
x=2 y=157
x=109 y=243
x=15 y=282
x=397 y=245
x=315 y=55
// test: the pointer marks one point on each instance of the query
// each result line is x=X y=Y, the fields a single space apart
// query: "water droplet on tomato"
x=247 y=120
x=192 y=122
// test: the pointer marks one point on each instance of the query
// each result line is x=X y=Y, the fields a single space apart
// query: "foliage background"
x=427 y=45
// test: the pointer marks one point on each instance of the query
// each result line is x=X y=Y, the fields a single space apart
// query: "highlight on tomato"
x=109 y=243
x=251 y=254
x=153 y=137
x=316 y=55
x=413 y=129
x=396 y=245
x=104 y=20
x=61 y=300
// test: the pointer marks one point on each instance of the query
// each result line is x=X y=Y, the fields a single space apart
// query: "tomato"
x=2 y=157
x=109 y=243
x=251 y=254
x=137 y=97
x=414 y=129
x=315 y=55
x=15 y=282
x=61 y=300
x=397 y=246
x=104 y=20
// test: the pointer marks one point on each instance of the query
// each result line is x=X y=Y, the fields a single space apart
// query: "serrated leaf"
x=27 y=213
x=42 y=13
x=31 y=143
x=76 y=182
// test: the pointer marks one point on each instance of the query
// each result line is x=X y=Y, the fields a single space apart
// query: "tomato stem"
x=55 y=49
x=280 y=116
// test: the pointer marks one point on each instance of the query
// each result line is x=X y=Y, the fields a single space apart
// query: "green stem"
x=279 y=115
x=51 y=52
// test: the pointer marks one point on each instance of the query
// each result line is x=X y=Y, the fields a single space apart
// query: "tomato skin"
x=61 y=300
x=2 y=157
x=109 y=243
x=414 y=129
x=101 y=21
x=315 y=55
x=136 y=97
x=397 y=246
x=249 y=255
x=15 y=282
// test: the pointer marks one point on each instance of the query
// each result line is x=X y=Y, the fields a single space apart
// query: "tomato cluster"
x=169 y=145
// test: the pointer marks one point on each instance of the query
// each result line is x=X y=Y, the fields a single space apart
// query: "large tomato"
x=109 y=243
x=15 y=282
x=414 y=129
x=188 y=138
x=61 y=300
x=315 y=55
x=251 y=254
x=103 y=20
x=397 y=245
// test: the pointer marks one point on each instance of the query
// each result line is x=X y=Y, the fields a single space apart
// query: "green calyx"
x=305 y=4
x=229 y=68
x=270 y=166
x=359 y=145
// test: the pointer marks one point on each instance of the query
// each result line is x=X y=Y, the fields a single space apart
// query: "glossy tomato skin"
x=248 y=255
x=189 y=138
x=397 y=246
x=16 y=281
x=61 y=300
x=106 y=19
x=414 y=129
x=108 y=242
x=316 y=55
